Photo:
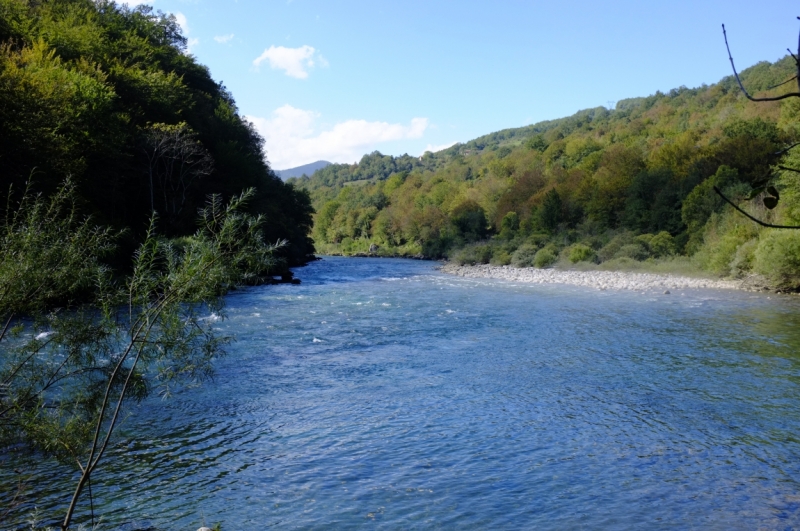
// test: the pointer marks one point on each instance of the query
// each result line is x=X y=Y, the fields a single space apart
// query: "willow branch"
x=739 y=81
x=5 y=328
x=762 y=223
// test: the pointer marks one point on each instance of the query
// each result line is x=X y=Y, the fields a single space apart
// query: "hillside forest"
x=617 y=187
x=108 y=96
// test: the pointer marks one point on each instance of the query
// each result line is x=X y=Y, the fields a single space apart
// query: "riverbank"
x=602 y=280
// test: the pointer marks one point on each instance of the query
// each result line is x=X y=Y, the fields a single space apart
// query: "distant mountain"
x=306 y=169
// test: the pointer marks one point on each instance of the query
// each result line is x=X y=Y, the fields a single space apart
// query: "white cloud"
x=434 y=149
x=294 y=61
x=292 y=138
x=134 y=3
x=180 y=18
x=222 y=39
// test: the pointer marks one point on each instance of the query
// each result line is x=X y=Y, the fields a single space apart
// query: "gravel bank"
x=601 y=280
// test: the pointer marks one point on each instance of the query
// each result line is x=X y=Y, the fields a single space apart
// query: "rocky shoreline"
x=602 y=280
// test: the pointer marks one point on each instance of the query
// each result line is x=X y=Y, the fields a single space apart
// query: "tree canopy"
x=87 y=86
x=610 y=180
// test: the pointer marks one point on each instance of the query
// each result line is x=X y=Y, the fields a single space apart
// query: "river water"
x=381 y=394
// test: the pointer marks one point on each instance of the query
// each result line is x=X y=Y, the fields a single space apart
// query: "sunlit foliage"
x=630 y=183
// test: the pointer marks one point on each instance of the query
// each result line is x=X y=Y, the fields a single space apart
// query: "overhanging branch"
x=739 y=81
x=762 y=223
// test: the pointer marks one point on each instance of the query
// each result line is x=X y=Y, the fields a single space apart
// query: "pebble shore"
x=601 y=280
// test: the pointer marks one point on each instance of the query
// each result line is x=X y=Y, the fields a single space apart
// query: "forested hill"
x=631 y=183
x=109 y=96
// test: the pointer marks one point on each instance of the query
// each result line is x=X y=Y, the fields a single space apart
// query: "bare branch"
x=739 y=81
x=787 y=81
x=784 y=151
x=762 y=223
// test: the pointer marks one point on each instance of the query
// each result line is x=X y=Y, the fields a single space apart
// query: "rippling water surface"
x=383 y=394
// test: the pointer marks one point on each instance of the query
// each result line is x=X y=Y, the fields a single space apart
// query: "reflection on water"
x=380 y=393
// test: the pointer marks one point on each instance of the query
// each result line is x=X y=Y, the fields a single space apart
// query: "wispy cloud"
x=293 y=61
x=134 y=3
x=222 y=39
x=292 y=137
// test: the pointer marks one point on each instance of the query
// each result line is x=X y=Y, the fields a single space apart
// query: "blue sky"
x=336 y=79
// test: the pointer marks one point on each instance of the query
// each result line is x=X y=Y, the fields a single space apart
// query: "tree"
x=175 y=160
x=550 y=212
x=764 y=186
x=470 y=220
x=66 y=374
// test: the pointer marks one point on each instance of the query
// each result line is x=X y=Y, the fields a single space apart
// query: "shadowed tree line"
x=110 y=97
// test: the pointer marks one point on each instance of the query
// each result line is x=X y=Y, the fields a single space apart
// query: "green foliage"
x=633 y=251
x=778 y=258
x=536 y=142
x=66 y=373
x=545 y=257
x=500 y=258
x=45 y=264
x=509 y=225
x=473 y=254
x=470 y=220
x=550 y=213
x=581 y=253
x=723 y=236
x=634 y=183
x=85 y=87
x=524 y=255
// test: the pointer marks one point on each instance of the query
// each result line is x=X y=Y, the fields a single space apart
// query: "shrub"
x=634 y=251
x=662 y=244
x=500 y=257
x=608 y=251
x=581 y=253
x=524 y=255
x=778 y=258
x=479 y=253
x=742 y=262
x=723 y=237
x=544 y=257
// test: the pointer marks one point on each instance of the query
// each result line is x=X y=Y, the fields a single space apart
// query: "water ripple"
x=381 y=394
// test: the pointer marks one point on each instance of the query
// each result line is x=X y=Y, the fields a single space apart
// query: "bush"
x=662 y=244
x=634 y=251
x=742 y=262
x=581 y=253
x=479 y=253
x=544 y=257
x=722 y=239
x=608 y=251
x=500 y=257
x=524 y=255
x=778 y=258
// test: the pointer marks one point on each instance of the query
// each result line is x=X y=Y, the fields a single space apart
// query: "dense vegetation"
x=108 y=96
x=625 y=185
x=133 y=197
x=66 y=375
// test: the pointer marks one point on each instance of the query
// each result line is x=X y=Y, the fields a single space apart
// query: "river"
x=382 y=394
